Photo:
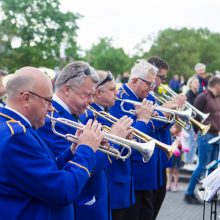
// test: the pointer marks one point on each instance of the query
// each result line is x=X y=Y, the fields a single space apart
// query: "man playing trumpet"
x=75 y=87
x=144 y=177
x=162 y=133
x=34 y=184
x=121 y=193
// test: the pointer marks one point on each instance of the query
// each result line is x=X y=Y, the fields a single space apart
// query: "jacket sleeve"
x=32 y=171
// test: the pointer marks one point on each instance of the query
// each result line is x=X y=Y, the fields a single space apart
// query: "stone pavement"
x=174 y=208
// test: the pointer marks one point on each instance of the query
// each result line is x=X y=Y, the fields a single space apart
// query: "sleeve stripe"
x=109 y=159
x=80 y=167
x=22 y=126
x=11 y=129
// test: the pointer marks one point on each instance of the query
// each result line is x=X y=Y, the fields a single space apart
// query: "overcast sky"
x=128 y=22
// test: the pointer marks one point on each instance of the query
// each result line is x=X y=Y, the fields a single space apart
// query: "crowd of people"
x=58 y=155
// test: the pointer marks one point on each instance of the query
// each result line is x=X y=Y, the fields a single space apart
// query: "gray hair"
x=74 y=73
x=200 y=66
x=141 y=69
x=102 y=76
x=18 y=84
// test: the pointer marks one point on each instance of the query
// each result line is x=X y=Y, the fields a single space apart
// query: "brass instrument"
x=203 y=128
x=196 y=112
x=136 y=133
x=185 y=114
x=183 y=123
x=146 y=149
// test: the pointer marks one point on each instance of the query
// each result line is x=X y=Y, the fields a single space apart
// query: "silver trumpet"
x=146 y=149
x=184 y=114
x=187 y=105
x=138 y=135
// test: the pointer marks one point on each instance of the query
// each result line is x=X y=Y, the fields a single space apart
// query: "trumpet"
x=203 y=128
x=183 y=123
x=195 y=111
x=185 y=114
x=146 y=149
x=137 y=134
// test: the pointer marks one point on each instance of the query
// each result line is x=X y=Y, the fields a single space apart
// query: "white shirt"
x=60 y=102
x=22 y=116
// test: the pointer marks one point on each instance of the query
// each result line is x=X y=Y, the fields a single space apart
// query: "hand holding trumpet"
x=91 y=136
x=122 y=127
x=144 y=111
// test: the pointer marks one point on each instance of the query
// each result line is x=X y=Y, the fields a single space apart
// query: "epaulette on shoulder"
x=121 y=93
x=15 y=127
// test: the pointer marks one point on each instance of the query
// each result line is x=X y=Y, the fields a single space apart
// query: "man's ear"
x=97 y=92
x=66 y=89
x=134 y=81
x=25 y=98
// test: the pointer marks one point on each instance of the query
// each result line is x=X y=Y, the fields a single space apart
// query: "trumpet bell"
x=148 y=150
x=204 y=116
x=203 y=128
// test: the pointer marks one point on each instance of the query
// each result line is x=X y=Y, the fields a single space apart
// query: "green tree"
x=39 y=28
x=183 y=48
x=104 y=56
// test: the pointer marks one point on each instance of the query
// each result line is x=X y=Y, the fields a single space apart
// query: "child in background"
x=173 y=172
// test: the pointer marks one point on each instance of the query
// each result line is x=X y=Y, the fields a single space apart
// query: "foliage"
x=106 y=57
x=183 y=48
x=39 y=28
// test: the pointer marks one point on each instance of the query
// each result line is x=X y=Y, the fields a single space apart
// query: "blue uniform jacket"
x=92 y=202
x=33 y=183
x=147 y=176
x=98 y=186
x=121 y=173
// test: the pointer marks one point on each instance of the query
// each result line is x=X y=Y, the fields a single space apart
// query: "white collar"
x=59 y=101
x=18 y=113
x=132 y=91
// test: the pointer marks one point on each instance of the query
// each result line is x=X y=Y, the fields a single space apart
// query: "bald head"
x=27 y=79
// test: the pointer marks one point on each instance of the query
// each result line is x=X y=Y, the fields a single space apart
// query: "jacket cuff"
x=85 y=158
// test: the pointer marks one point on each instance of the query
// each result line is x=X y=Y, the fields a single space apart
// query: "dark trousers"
x=122 y=214
x=148 y=203
x=143 y=208
x=159 y=195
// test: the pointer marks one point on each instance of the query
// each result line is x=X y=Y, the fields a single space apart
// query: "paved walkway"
x=174 y=208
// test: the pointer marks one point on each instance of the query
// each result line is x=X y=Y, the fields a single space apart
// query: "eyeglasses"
x=48 y=101
x=150 y=84
x=162 y=77
x=109 y=77
x=86 y=72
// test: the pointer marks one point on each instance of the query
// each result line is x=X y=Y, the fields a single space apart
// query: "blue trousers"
x=206 y=153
